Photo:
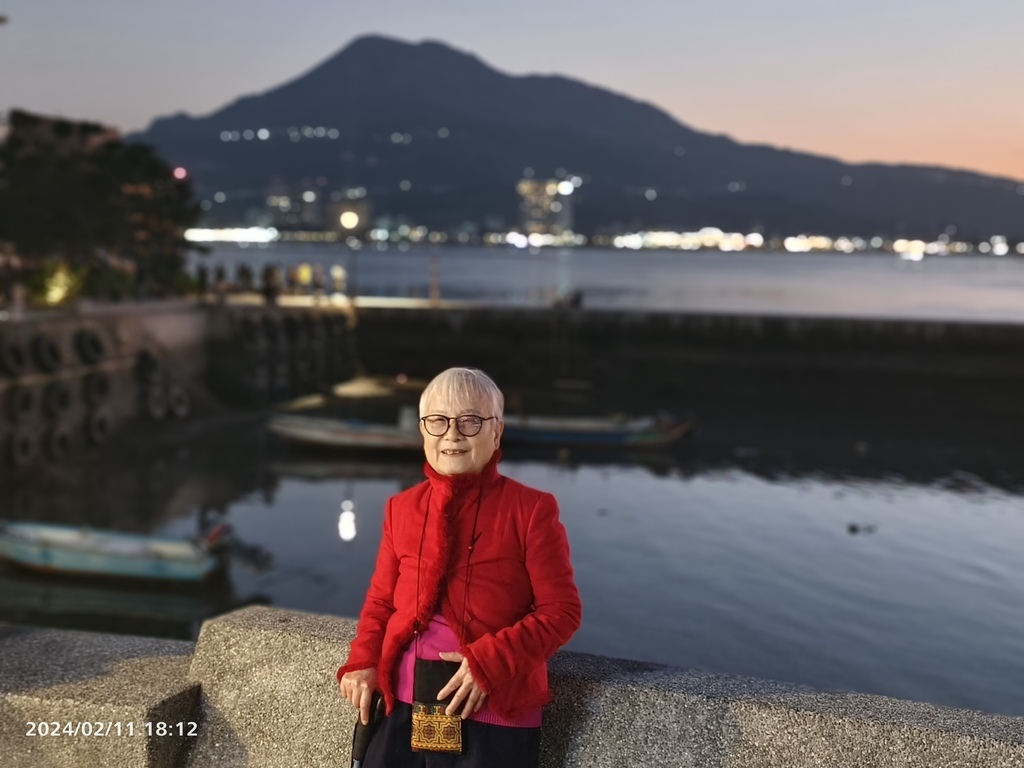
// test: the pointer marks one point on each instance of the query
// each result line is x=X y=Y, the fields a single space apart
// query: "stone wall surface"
x=260 y=685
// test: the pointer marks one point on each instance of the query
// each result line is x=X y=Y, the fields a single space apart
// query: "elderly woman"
x=472 y=593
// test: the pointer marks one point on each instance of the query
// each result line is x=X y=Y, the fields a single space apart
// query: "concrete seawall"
x=259 y=687
x=530 y=346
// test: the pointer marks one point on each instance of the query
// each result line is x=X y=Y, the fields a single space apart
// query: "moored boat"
x=343 y=433
x=586 y=432
x=70 y=550
x=560 y=431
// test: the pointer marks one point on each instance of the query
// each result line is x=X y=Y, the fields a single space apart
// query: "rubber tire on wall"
x=58 y=441
x=22 y=447
x=89 y=346
x=56 y=398
x=147 y=366
x=156 y=401
x=294 y=327
x=271 y=329
x=178 y=401
x=96 y=388
x=13 y=360
x=46 y=353
x=250 y=330
x=22 y=404
x=97 y=427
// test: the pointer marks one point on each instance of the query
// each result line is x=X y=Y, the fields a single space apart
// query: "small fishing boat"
x=69 y=550
x=584 y=432
x=560 y=431
x=343 y=433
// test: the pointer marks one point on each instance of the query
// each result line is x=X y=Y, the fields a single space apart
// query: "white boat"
x=343 y=433
x=568 y=431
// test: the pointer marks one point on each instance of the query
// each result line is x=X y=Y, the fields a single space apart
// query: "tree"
x=74 y=193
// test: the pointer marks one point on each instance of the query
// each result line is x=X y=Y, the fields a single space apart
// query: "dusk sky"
x=917 y=81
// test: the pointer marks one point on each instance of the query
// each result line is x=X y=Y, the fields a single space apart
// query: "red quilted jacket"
x=521 y=604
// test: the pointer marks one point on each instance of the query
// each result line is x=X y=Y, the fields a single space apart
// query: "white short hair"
x=463 y=385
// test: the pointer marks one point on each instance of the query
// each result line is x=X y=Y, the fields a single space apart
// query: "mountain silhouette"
x=497 y=125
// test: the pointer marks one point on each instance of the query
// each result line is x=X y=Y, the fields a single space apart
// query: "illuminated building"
x=546 y=206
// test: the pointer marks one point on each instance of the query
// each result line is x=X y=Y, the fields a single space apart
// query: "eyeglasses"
x=468 y=426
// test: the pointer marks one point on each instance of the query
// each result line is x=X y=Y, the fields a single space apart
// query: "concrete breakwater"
x=258 y=689
x=625 y=349
x=69 y=380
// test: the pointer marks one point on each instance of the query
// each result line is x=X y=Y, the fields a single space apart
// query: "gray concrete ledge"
x=115 y=684
x=269 y=700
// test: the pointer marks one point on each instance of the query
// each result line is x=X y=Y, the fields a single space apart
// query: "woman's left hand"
x=465 y=687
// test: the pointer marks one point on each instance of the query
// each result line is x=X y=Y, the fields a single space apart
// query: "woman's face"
x=453 y=453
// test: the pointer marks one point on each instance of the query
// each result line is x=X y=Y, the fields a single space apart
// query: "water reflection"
x=810 y=561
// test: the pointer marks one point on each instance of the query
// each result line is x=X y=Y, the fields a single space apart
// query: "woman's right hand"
x=358 y=687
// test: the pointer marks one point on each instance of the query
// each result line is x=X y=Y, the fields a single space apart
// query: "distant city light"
x=443 y=133
x=680 y=151
x=309 y=196
x=405 y=185
x=651 y=194
x=250 y=235
x=248 y=135
x=263 y=133
x=206 y=205
x=180 y=173
x=225 y=135
x=307 y=131
x=320 y=132
x=517 y=239
x=396 y=138
x=349 y=219
x=235 y=136
x=576 y=181
x=556 y=206
x=565 y=187
x=1020 y=189
x=1020 y=248
x=527 y=173
x=220 y=197
x=847 y=180
x=333 y=133
x=407 y=138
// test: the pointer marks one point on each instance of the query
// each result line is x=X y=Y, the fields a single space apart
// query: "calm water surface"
x=838 y=581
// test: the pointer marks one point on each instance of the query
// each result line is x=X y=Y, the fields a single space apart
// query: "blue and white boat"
x=64 y=549
x=344 y=433
x=583 y=432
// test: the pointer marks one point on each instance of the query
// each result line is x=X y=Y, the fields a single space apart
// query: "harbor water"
x=845 y=530
x=856 y=535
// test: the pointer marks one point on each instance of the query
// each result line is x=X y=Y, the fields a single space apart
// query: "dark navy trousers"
x=483 y=746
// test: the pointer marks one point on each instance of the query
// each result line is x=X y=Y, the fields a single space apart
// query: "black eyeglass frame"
x=450 y=419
